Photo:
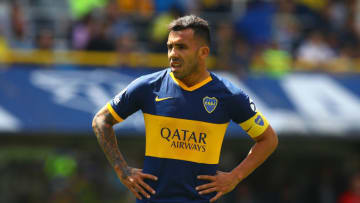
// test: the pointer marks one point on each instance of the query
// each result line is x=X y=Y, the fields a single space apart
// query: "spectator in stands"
x=224 y=44
x=286 y=26
x=125 y=45
x=309 y=17
x=277 y=61
x=159 y=30
x=285 y=22
x=162 y=6
x=44 y=40
x=44 y=44
x=99 y=38
x=314 y=53
x=317 y=5
x=356 y=13
x=350 y=35
x=256 y=24
x=18 y=38
x=241 y=57
x=257 y=64
x=81 y=32
x=216 y=6
x=337 y=13
x=271 y=60
x=352 y=195
x=119 y=22
x=138 y=8
x=344 y=62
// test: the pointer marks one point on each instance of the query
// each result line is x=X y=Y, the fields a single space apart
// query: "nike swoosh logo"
x=248 y=129
x=157 y=99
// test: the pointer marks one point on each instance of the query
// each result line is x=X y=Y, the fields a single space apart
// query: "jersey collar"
x=192 y=88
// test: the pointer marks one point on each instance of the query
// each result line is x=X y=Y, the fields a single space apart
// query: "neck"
x=196 y=77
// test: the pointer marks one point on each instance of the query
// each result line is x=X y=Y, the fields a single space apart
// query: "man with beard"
x=186 y=110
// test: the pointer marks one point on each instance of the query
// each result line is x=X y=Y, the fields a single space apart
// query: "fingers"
x=138 y=187
x=133 y=190
x=207 y=191
x=146 y=186
x=217 y=196
x=205 y=186
x=141 y=190
x=149 y=176
x=209 y=187
x=206 y=177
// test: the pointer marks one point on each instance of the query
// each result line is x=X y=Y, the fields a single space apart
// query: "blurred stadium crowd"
x=248 y=36
x=270 y=37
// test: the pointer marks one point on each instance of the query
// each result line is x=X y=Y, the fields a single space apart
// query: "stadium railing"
x=88 y=58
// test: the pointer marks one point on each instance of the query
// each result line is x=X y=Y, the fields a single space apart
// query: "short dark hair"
x=198 y=25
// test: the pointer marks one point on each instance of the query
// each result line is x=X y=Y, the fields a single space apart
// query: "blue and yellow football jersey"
x=185 y=127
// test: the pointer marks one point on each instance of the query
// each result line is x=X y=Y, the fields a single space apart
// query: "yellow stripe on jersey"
x=256 y=125
x=192 y=88
x=113 y=113
x=182 y=139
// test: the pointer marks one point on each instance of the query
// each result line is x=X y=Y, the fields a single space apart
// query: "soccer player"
x=186 y=110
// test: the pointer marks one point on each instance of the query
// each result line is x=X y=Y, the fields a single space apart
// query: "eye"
x=181 y=46
x=169 y=46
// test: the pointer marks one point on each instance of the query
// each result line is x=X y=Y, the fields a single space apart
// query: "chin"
x=175 y=70
x=178 y=74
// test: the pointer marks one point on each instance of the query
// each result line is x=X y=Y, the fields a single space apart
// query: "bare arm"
x=265 y=145
x=132 y=178
x=223 y=182
x=103 y=127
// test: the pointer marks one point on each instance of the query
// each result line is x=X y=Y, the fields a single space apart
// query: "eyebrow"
x=176 y=44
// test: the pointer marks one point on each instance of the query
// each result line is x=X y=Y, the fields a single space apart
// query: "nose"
x=172 y=53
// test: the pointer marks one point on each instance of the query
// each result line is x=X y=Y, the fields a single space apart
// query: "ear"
x=204 y=51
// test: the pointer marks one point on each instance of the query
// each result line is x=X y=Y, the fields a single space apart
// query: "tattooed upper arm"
x=105 y=116
x=102 y=125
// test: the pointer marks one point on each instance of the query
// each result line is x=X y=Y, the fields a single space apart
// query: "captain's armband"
x=255 y=125
x=113 y=113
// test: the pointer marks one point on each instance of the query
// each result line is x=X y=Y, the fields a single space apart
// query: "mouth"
x=175 y=64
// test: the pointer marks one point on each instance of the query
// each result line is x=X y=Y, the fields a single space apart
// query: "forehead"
x=181 y=36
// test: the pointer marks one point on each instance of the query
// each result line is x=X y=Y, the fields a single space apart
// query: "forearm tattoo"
x=105 y=134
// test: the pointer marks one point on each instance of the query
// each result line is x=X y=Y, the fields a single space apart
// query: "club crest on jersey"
x=210 y=103
x=259 y=120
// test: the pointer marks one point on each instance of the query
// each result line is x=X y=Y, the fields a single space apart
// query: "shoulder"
x=138 y=89
x=227 y=86
x=148 y=79
x=152 y=77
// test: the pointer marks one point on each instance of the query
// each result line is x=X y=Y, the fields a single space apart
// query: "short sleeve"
x=244 y=113
x=127 y=101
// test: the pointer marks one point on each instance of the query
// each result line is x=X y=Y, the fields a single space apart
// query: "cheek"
x=193 y=59
x=192 y=56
